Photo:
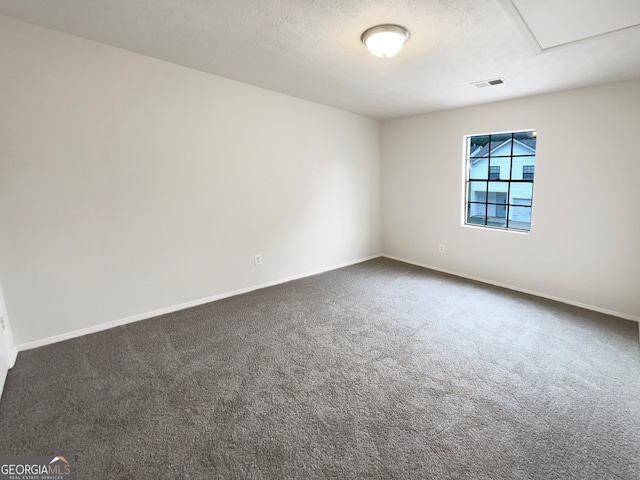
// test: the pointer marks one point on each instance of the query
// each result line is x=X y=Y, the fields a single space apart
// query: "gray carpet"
x=379 y=370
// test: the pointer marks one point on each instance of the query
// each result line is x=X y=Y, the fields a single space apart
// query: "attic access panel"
x=557 y=22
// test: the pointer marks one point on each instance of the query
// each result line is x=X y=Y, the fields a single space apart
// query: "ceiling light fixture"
x=385 y=40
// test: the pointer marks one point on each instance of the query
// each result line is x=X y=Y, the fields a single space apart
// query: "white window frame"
x=466 y=155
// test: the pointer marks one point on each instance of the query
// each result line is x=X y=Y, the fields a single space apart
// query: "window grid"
x=494 y=176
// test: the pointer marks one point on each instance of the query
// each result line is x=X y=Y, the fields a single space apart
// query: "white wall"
x=128 y=184
x=585 y=232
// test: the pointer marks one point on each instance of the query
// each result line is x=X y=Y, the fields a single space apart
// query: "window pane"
x=520 y=217
x=500 y=221
x=521 y=193
x=477 y=192
x=522 y=165
x=501 y=165
x=477 y=213
x=526 y=138
x=501 y=145
x=479 y=169
x=478 y=146
x=498 y=191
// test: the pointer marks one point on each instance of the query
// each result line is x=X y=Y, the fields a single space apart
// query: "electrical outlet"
x=441 y=248
x=258 y=259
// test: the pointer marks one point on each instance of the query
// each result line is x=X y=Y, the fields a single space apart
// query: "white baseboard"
x=8 y=349
x=7 y=337
x=162 y=311
x=518 y=289
x=3 y=378
x=13 y=350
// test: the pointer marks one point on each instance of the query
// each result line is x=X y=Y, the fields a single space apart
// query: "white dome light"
x=385 y=40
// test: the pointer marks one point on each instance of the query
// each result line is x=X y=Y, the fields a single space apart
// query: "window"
x=499 y=180
x=527 y=172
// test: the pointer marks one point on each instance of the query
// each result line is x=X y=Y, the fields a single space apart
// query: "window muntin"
x=499 y=172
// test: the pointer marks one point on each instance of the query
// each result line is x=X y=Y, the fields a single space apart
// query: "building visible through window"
x=499 y=179
x=527 y=172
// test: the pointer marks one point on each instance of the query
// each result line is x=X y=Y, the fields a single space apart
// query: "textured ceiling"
x=311 y=48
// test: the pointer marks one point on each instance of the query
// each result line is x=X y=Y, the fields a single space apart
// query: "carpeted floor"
x=379 y=370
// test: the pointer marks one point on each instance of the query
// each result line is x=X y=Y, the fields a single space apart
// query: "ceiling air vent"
x=489 y=83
